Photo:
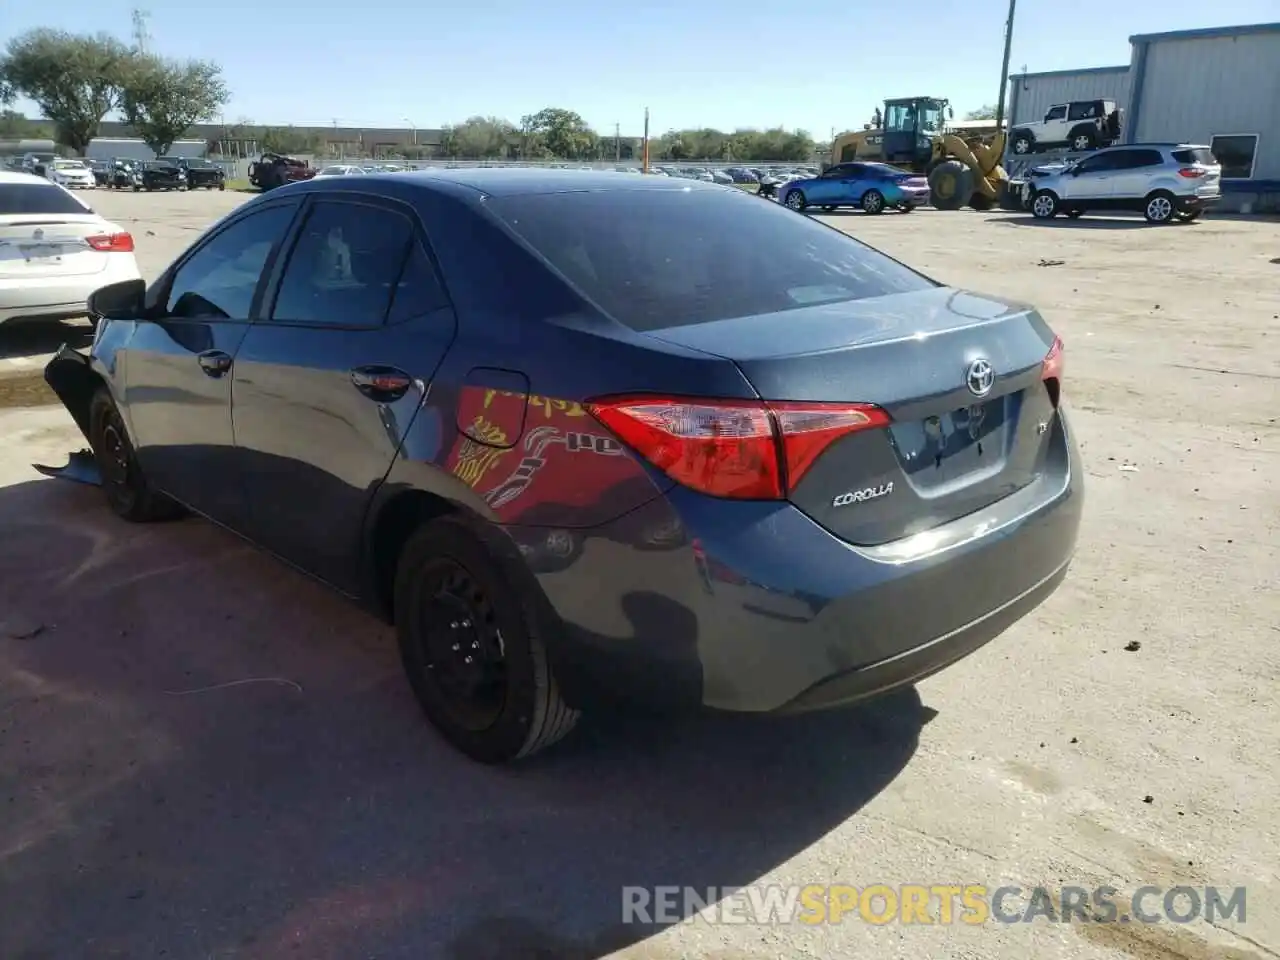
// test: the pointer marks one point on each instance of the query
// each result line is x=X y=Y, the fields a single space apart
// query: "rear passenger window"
x=418 y=291
x=1146 y=158
x=344 y=267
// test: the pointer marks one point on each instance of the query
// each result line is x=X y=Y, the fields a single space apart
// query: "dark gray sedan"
x=587 y=438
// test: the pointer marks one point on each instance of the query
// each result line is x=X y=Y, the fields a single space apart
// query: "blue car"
x=874 y=187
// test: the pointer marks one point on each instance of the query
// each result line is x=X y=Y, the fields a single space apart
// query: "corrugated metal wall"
x=1198 y=87
x=1033 y=94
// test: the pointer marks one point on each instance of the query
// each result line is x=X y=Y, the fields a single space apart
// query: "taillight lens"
x=740 y=449
x=1051 y=370
x=111 y=242
x=1191 y=173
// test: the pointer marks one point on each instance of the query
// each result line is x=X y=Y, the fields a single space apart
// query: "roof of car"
x=512 y=181
x=14 y=176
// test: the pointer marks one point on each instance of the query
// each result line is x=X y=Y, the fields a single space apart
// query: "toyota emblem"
x=980 y=377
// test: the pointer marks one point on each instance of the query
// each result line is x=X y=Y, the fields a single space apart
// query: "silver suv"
x=1165 y=181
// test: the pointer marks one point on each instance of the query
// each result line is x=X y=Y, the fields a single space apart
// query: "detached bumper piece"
x=81 y=468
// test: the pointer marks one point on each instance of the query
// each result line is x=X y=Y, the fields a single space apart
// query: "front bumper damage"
x=72 y=379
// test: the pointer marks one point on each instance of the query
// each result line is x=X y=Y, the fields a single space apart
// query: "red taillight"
x=1051 y=370
x=743 y=449
x=1191 y=173
x=111 y=242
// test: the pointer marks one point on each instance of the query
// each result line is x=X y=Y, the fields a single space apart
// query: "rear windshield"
x=670 y=258
x=1201 y=155
x=24 y=198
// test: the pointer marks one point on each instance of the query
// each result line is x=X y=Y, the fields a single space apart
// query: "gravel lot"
x=1127 y=734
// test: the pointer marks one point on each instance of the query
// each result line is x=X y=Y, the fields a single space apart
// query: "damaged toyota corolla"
x=586 y=439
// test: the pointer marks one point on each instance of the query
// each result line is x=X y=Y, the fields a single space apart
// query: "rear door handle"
x=214 y=362
x=383 y=384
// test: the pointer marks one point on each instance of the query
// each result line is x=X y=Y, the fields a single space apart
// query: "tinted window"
x=1143 y=158
x=344 y=266
x=1056 y=113
x=219 y=280
x=418 y=290
x=665 y=258
x=1100 y=162
x=1202 y=155
x=38 y=198
x=1082 y=111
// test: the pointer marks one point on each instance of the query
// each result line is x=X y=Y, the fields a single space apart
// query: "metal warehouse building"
x=1219 y=86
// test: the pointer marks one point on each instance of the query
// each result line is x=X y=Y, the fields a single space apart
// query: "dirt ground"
x=204 y=754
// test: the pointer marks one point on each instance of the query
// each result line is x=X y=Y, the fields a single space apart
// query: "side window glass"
x=1123 y=160
x=344 y=265
x=419 y=291
x=1098 y=163
x=1147 y=158
x=1056 y=113
x=1082 y=111
x=219 y=280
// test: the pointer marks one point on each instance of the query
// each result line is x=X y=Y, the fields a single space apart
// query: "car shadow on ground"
x=1084 y=223
x=204 y=753
x=26 y=339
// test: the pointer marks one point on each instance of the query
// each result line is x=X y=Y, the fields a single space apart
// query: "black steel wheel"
x=471 y=634
x=127 y=490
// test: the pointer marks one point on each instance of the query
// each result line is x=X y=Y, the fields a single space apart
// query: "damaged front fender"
x=71 y=376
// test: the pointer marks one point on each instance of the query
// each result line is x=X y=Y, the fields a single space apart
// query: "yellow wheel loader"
x=962 y=161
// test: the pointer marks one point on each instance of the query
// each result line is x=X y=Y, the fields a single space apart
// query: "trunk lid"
x=49 y=245
x=949 y=450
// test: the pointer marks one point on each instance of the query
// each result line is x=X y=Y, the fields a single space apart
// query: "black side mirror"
x=119 y=301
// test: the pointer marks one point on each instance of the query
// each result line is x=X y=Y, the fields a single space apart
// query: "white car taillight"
x=111 y=242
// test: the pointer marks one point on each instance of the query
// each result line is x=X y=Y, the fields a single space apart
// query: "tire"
x=1023 y=143
x=1186 y=216
x=950 y=185
x=222 y=186
x=1075 y=214
x=454 y=593
x=1083 y=138
x=129 y=494
x=136 y=188
x=1044 y=205
x=794 y=200
x=1158 y=207
x=873 y=202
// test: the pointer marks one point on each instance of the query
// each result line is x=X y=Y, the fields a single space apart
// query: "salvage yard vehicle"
x=1165 y=181
x=200 y=174
x=160 y=175
x=872 y=187
x=807 y=473
x=1078 y=125
x=273 y=170
x=72 y=174
x=55 y=251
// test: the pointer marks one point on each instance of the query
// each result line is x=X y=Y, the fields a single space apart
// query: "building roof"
x=1207 y=33
x=1069 y=73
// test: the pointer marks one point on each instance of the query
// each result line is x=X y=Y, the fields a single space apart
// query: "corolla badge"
x=861 y=496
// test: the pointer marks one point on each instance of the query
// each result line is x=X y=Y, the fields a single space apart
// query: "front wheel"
x=1044 y=206
x=471 y=640
x=795 y=200
x=129 y=494
x=873 y=202
x=1159 y=207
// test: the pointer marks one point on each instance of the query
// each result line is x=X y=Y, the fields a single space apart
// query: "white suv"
x=1078 y=125
x=1165 y=181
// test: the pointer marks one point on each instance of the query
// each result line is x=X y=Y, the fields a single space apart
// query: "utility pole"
x=1004 y=68
x=644 y=168
x=141 y=37
x=617 y=142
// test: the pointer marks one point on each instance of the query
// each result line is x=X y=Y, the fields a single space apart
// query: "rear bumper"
x=1197 y=202
x=61 y=298
x=756 y=608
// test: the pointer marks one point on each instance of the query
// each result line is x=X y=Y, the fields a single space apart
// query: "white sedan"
x=341 y=170
x=55 y=251
x=72 y=174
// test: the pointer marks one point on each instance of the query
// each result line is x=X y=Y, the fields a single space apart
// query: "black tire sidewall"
x=433 y=548
x=125 y=501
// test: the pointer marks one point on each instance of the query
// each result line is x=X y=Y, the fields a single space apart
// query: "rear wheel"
x=128 y=492
x=1084 y=138
x=873 y=202
x=1158 y=207
x=471 y=639
x=795 y=200
x=1044 y=205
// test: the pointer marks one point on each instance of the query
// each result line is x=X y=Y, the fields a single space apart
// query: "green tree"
x=75 y=79
x=561 y=132
x=16 y=126
x=285 y=140
x=162 y=99
x=982 y=113
x=480 y=138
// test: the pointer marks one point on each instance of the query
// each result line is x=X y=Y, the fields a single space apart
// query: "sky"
x=824 y=65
